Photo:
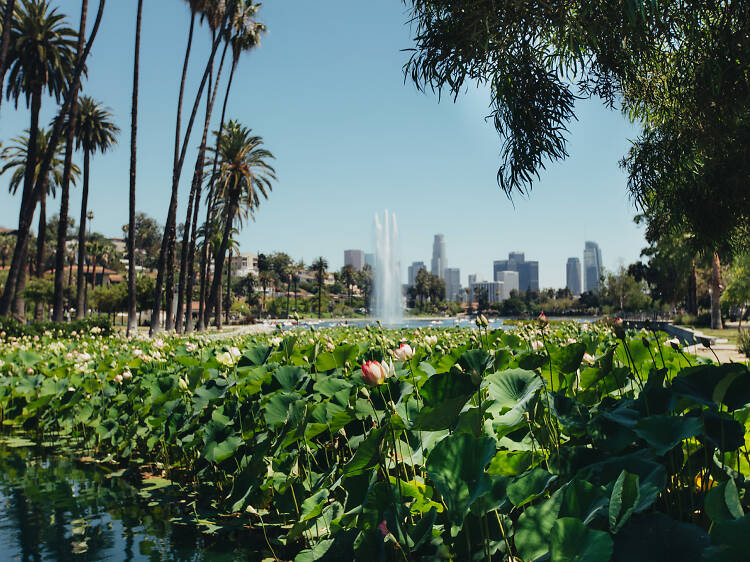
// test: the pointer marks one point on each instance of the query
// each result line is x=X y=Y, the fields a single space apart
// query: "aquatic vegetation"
x=570 y=441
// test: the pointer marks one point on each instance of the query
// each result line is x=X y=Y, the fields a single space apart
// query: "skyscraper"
x=439 y=262
x=509 y=279
x=370 y=260
x=592 y=266
x=452 y=283
x=355 y=258
x=573 y=275
x=528 y=271
x=414 y=269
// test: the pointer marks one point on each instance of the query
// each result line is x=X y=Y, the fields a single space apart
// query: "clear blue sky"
x=327 y=93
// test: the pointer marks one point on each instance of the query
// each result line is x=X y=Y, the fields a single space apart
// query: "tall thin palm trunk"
x=41 y=250
x=62 y=227
x=15 y=288
x=5 y=43
x=28 y=204
x=167 y=250
x=132 y=320
x=80 y=280
x=229 y=285
x=716 y=323
x=219 y=259
x=202 y=311
x=288 y=286
x=188 y=251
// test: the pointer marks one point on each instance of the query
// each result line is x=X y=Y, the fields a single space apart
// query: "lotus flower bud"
x=404 y=352
x=619 y=329
x=373 y=373
x=542 y=320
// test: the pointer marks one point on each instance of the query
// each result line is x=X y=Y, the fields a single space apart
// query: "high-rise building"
x=413 y=270
x=592 y=266
x=494 y=290
x=370 y=260
x=528 y=276
x=528 y=271
x=453 y=284
x=573 y=275
x=355 y=258
x=439 y=262
x=509 y=279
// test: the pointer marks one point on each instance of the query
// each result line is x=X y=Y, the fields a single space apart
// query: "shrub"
x=743 y=343
x=14 y=328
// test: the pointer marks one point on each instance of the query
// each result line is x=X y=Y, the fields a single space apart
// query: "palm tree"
x=15 y=158
x=62 y=227
x=265 y=276
x=96 y=249
x=94 y=132
x=319 y=266
x=245 y=35
x=243 y=175
x=40 y=57
x=347 y=276
x=168 y=244
x=5 y=41
x=132 y=294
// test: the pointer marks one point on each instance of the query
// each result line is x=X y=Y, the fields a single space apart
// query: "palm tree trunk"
x=202 y=314
x=219 y=260
x=80 y=279
x=132 y=301
x=62 y=227
x=167 y=250
x=716 y=323
x=41 y=249
x=320 y=298
x=288 y=286
x=26 y=215
x=5 y=43
x=229 y=285
x=188 y=239
x=19 y=302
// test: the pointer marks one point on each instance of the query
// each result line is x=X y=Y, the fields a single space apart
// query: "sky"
x=326 y=91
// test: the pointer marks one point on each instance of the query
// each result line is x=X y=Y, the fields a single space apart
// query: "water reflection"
x=56 y=509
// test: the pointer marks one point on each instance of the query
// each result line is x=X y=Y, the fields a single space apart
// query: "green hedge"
x=14 y=328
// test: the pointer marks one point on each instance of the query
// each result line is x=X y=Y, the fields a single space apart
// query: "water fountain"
x=388 y=300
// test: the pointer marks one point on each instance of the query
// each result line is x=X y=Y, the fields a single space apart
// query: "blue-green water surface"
x=59 y=508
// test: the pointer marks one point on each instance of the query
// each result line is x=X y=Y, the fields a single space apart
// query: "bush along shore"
x=572 y=442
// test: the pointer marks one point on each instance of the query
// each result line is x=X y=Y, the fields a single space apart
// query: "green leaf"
x=572 y=541
x=655 y=537
x=623 y=501
x=255 y=356
x=313 y=506
x=475 y=362
x=289 y=377
x=456 y=466
x=512 y=463
x=367 y=454
x=511 y=392
x=344 y=354
x=529 y=486
x=534 y=527
x=568 y=359
x=277 y=407
x=664 y=432
x=722 y=502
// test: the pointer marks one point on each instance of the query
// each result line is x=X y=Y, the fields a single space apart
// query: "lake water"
x=413 y=323
x=54 y=508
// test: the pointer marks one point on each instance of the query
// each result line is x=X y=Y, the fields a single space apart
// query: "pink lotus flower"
x=542 y=319
x=374 y=373
x=404 y=352
x=383 y=526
